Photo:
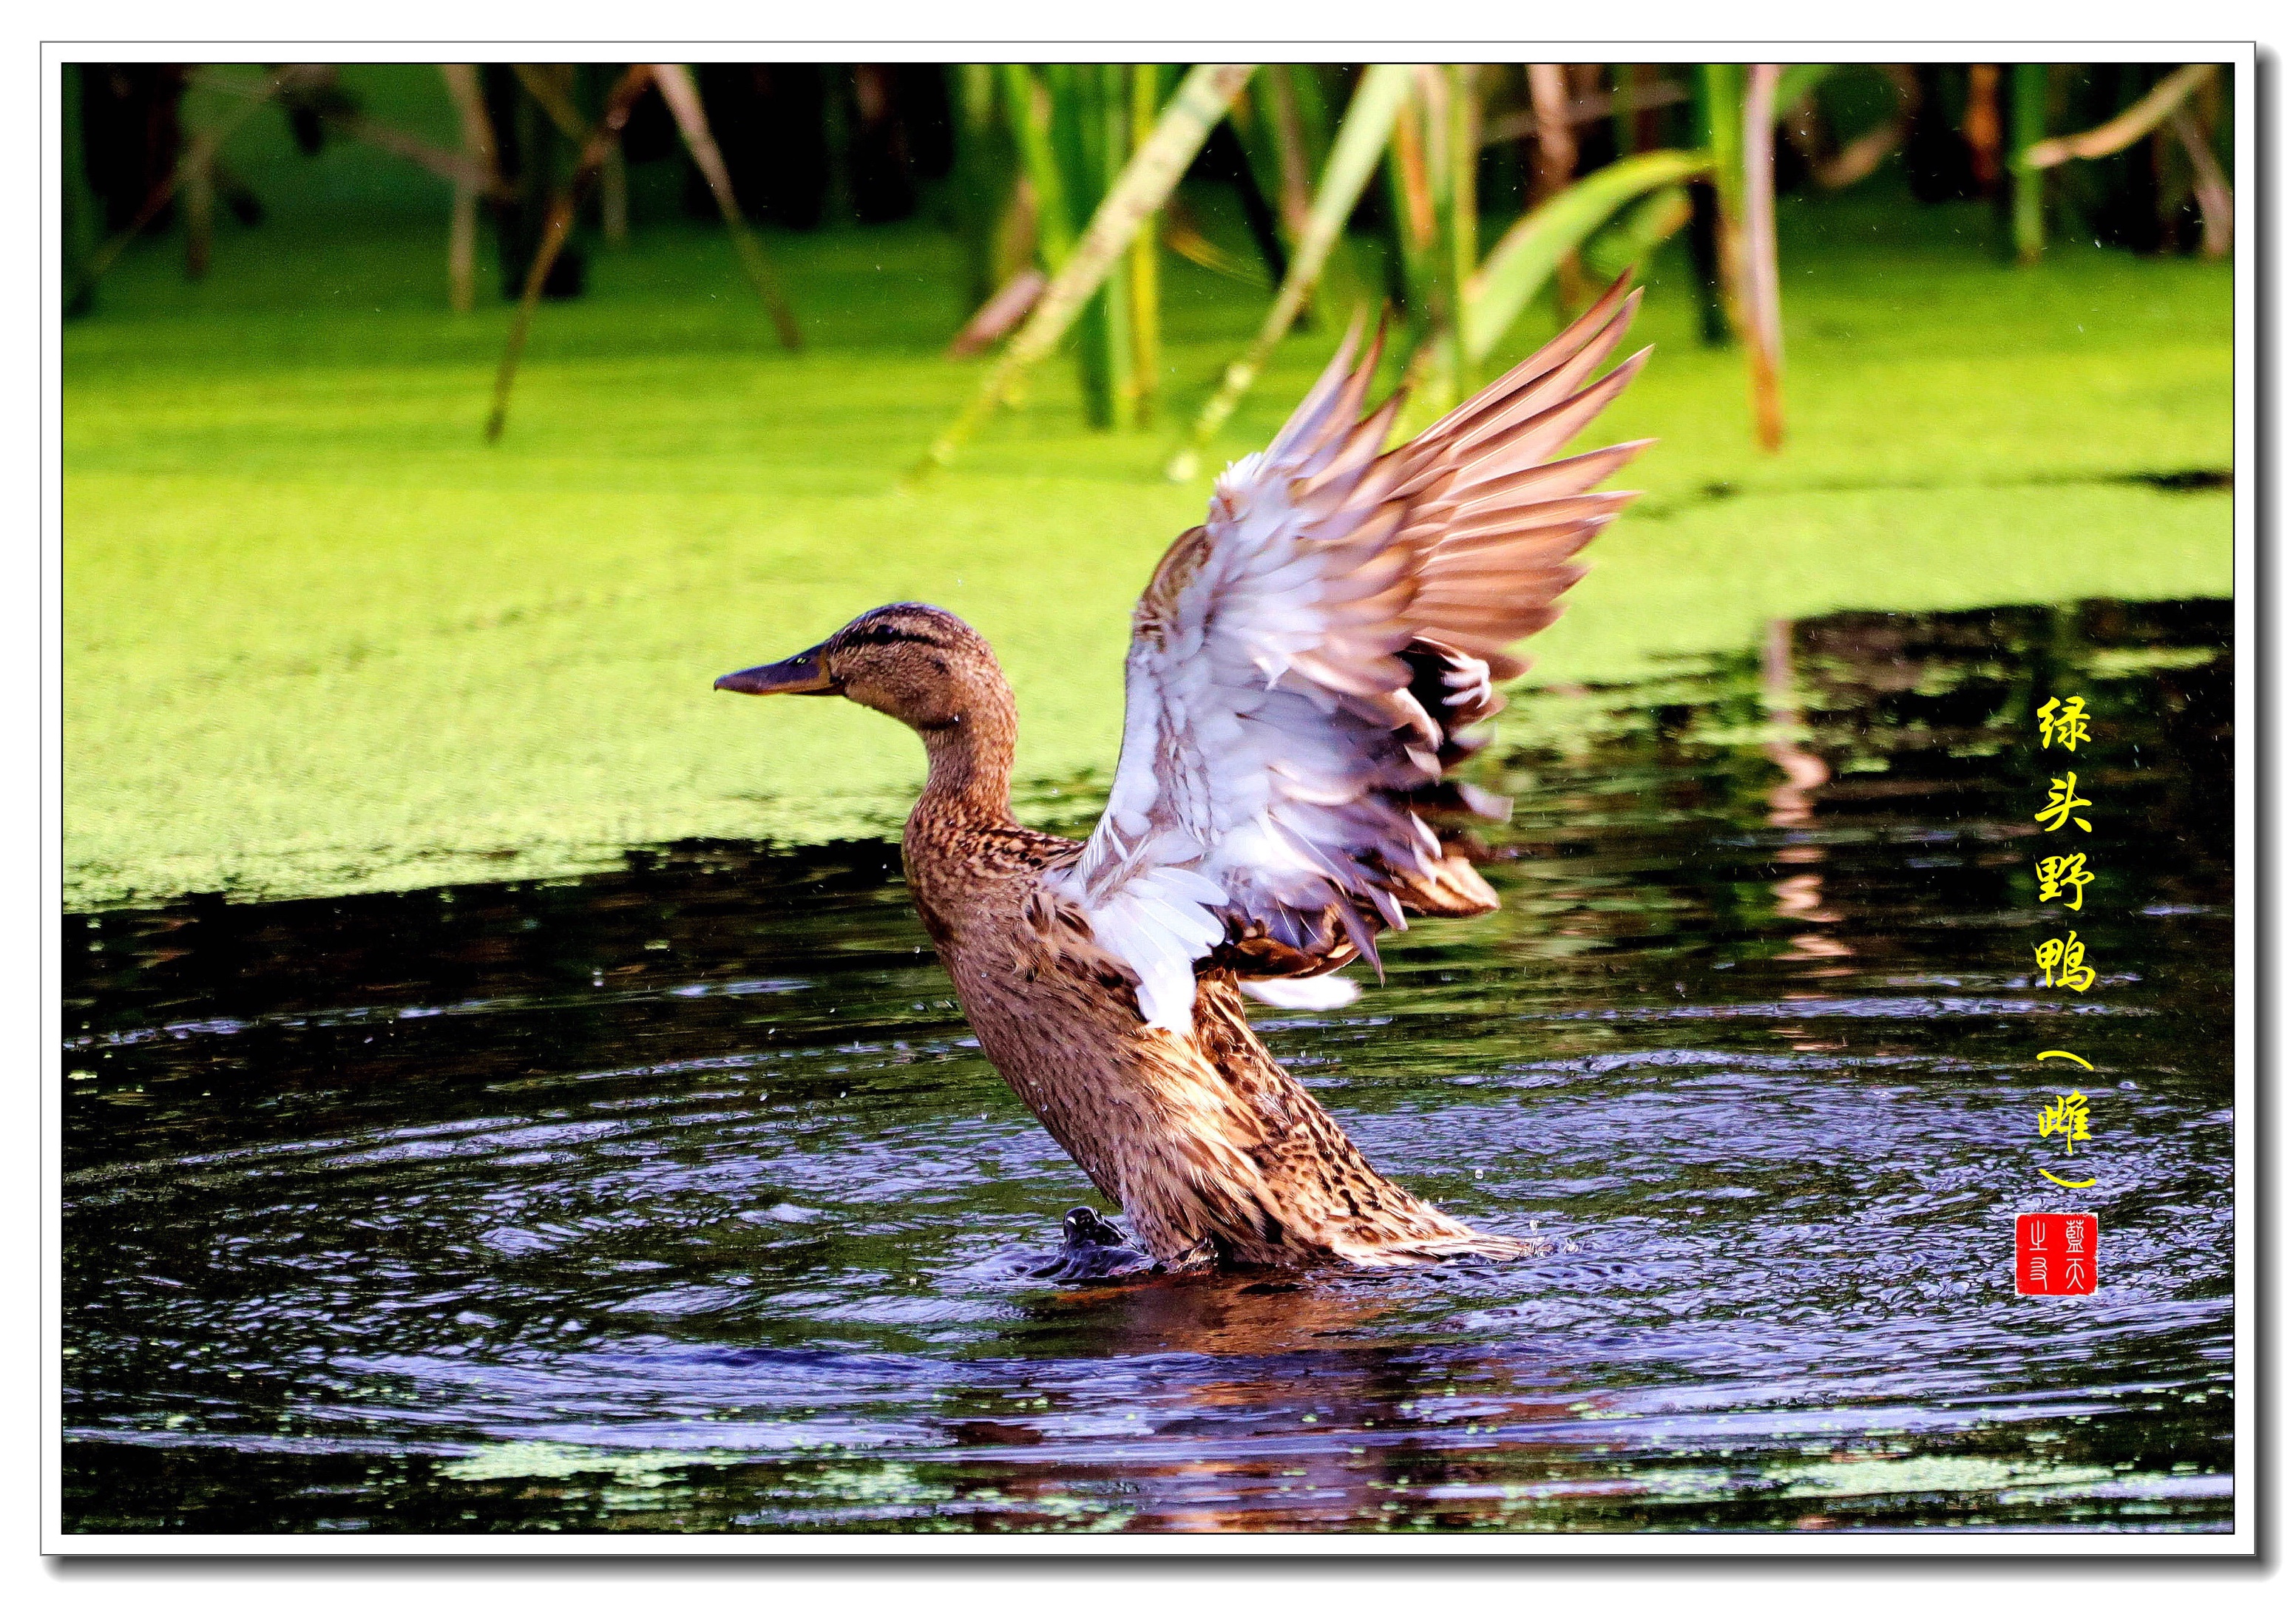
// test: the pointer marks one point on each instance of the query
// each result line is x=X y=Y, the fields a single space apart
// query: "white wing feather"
x=1272 y=733
x=1303 y=992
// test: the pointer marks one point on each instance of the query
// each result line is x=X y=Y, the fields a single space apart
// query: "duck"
x=1307 y=668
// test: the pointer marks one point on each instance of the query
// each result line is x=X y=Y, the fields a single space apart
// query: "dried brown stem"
x=477 y=132
x=1578 y=110
x=202 y=148
x=552 y=99
x=685 y=103
x=2209 y=184
x=1980 y=124
x=1550 y=111
x=1765 y=340
x=2108 y=138
x=1861 y=155
x=634 y=82
x=999 y=314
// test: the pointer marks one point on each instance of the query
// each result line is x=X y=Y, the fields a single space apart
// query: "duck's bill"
x=799 y=674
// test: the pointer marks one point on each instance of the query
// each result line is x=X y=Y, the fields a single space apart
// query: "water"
x=681 y=1198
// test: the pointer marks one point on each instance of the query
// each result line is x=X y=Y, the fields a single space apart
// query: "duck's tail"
x=1409 y=1252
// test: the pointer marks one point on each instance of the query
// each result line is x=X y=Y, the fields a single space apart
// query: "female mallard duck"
x=1304 y=669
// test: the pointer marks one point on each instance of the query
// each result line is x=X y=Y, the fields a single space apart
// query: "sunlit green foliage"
x=318 y=636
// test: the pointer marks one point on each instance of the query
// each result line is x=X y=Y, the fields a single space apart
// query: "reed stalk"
x=614 y=199
x=1557 y=162
x=685 y=103
x=201 y=149
x=2111 y=137
x=1110 y=107
x=1981 y=125
x=1437 y=362
x=1764 y=323
x=1028 y=112
x=1146 y=311
x=559 y=223
x=1077 y=134
x=981 y=186
x=78 y=203
x=2028 y=120
x=1276 y=118
x=1378 y=110
x=1720 y=105
x=1797 y=81
x=1317 y=124
x=1462 y=143
x=1625 y=243
x=1280 y=111
x=1148 y=179
x=1623 y=142
x=478 y=149
x=1411 y=204
x=550 y=93
x=2210 y=189
x=1529 y=253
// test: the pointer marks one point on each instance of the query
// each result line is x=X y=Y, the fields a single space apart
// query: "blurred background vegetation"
x=434 y=435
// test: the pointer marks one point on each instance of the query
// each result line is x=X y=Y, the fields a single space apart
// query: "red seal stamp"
x=2056 y=1255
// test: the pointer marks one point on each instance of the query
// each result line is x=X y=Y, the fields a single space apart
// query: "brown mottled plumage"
x=1305 y=670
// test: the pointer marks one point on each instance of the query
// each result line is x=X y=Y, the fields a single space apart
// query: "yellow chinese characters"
x=2062 y=872
x=2064 y=722
x=2061 y=805
x=2064 y=879
x=2070 y=1117
x=2062 y=962
x=2067 y=1118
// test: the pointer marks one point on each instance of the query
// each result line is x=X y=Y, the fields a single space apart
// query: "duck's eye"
x=887 y=634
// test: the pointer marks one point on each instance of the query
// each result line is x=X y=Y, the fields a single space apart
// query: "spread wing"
x=1306 y=667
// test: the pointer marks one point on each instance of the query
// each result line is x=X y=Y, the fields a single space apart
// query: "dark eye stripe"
x=887 y=634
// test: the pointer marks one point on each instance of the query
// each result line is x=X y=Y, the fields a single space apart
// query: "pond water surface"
x=681 y=1198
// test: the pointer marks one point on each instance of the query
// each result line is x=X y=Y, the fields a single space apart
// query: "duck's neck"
x=969 y=776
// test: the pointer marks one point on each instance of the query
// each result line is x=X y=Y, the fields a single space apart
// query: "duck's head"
x=919 y=665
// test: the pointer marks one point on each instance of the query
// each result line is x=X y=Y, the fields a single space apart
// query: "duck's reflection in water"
x=1282 y=1400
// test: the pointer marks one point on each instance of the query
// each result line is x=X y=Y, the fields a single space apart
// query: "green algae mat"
x=320 y=638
